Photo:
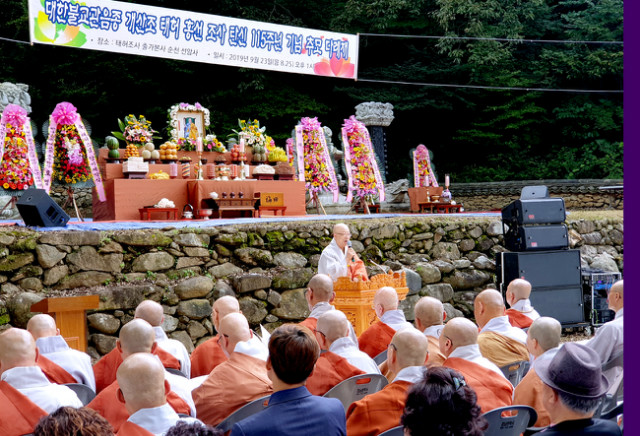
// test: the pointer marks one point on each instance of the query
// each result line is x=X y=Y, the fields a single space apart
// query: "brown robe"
x=376 y=338
x=379 y=411
x=518 y=319
x=529 y=393
x=500 y=349
x=330 y=370
x=207 y=356
x=131 y=429
x=18 y=414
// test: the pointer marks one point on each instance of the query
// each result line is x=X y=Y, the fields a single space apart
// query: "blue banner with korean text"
x=169 y=33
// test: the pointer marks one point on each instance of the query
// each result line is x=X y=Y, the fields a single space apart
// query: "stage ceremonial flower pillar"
x=70 y=316
x=355 y=299
x=422 y=168
x=377 y=117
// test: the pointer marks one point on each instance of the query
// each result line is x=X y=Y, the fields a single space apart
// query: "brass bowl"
x=435 y=198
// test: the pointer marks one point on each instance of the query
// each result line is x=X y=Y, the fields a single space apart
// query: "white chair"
x=244 y=412
x=356 y=388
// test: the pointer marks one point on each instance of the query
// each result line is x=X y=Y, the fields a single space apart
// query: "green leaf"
x=118 y=135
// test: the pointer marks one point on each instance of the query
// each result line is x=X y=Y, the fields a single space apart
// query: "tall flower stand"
x=317 y=202
x=72 y=198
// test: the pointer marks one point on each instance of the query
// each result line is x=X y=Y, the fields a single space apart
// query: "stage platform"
x=90 y=225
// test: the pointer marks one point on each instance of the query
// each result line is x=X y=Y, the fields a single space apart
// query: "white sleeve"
x=331 y=265
x=603 y=342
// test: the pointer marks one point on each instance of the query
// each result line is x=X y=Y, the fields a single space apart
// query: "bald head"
x=410 y=349
x=429 y=311
x=17 y=348
x=458 y=332
x=319 y=290
x=385 y=299
x=543 y=334
x=518 y=289
x=141 y=380
x=341 y=235
x=334 y=325
x=151 y=312
x=234 y=328
x=341 y=228
x=616 y=296
x=488 y=305
x=136 y=336
x=42 y=326
x=222 y=307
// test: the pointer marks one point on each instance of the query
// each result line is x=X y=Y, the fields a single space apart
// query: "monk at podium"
x=521 y=313
x=339 y=259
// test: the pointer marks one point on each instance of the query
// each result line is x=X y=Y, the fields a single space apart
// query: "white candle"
x=241 y=143
x=446 y=180
x=199 y=144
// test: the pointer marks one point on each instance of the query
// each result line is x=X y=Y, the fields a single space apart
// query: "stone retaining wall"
x=266 y=266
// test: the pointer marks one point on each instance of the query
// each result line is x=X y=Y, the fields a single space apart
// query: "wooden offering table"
x=69 y=313
x=145 y=212
x=355 y=299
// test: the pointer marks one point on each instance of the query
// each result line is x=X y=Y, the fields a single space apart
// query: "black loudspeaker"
x=556 y=281
x=552 y=237
x=38 y=209
x=534 y=211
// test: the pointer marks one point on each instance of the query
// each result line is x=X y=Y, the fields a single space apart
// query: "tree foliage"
x=475 y=134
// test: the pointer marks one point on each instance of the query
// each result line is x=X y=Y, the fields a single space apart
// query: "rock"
x=225 y=270
x=445 y=250
x=103 y=343
x=461 y=264
x=194 y=309
x=451 y=311
x=475 y=232
x=104 y=323
x=292 y=278
x=412 y=259
x=293 y=306
x=254 y=310
x=16 y=261
x=593 y=238
x=467 y=279
x=605 y=263
x=260 y=294
x=494 y=228
x=157 y=261
x=88 y=259
x=9 y=289
x=467 y=245
x=86 y=279
x=442 y=291
x=143 y=238
x=251 y=282
x=6 y=239
x=31 y=284
x=183 y=337
x=27 y=271
x=223 y=251
x=414 y=281
x=616 y=236
x=407 y=306
x=235 y=239
x=385 y=231
x=191 y=240
x=585 y=226
x=111 y=247
x=394 y=265
x=222 y=288
x=49 y=255
x=274 y=299
x=444 y=266
x=314 y=260
x=484 y=262
x=19 y=307
x=357 y=246
x=188 y=262
x=169 y=324
x=575 y=238
x=372 y=252
x=194 y=287
x=196 y=251
x=128 y=296
x=196 y=330
x=55 y=274
x=290 y=260
x=254 y=256
x=270 y=318
x=428 y=273
x=70 y=238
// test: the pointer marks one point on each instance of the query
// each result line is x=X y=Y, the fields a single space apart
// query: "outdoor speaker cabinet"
x=38 y=209
x=535 y=211
x=551 y=237
x=556 y=281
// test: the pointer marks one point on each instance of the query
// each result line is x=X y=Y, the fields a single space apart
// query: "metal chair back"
x=503 y=422
x=381 y=357
x=244 y=412
x=84 y=392
x=515 y=371
x=356 y=388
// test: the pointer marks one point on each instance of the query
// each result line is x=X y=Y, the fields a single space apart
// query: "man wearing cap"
x=573 y=385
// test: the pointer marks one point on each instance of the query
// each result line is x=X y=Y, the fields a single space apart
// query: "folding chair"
x=515 y=371
x=356 y=388
x=395 y=431
x=244 y=412
x=502 y=421
x=84 y=392
x=176 y=372
x=381 y=357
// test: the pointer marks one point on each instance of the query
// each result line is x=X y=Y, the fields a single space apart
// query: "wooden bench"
x=145 y=212
x=271 y=201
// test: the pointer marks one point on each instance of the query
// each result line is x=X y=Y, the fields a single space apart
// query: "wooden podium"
x=69 y=313
x=355 y=299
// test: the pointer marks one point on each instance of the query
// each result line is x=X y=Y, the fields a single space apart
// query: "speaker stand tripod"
x=71 y=197
x=360 y=203
x=316 y=201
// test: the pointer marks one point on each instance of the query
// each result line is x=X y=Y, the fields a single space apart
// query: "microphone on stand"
x=353 y=258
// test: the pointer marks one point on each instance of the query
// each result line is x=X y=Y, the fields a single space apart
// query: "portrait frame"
x=188 y=122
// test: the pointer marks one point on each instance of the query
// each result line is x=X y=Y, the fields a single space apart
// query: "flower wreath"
x=362 y=167
x=314 y=163
x=186 y=143
x=422 y=170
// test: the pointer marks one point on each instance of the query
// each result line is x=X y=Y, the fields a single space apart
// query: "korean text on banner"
x=169 y=33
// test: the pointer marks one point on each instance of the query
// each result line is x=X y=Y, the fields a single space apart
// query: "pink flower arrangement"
x=318 y=172
x=362 y=163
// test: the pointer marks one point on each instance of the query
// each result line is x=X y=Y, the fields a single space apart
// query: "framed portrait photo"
x=188 y=122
